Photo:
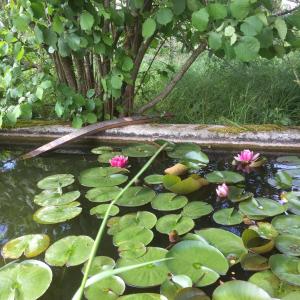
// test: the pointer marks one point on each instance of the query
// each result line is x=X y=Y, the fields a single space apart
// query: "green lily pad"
x=136 y=196
x=148 y=276
x=113 y=225
x=154 y=179
x=282 y=180
x=288 y=244
x=224 y=177
x=107 y=156
x=51 y=197
x=101 y=209
x=265 y=230
x=197 y=260
x=197 y=157
x=262 y=207
x=69 y=251
x=254 y=262
x=101 y=149
x=228 y=243
x=255 y=243
x=102 y=177
x=191 y=294
x=197 y=209
x=293 y=199
x=291 y=159
x=143 y=296
x=140 y=150
x=173 y=222
x=30 y=245
x=133 y=234
x=144 y=219
x=287 y=224
x=168 y=202
x=286 y=268
x=174 y=284
x=180 y=150
x=132 y=249
x=103 y=194
x=240 y=290
x=186 y=186
x=228 y=216
x=106 y=289
x=56 y=181
x=238 y=195
x=29 y=279
x=100 y=264
x=57 y=214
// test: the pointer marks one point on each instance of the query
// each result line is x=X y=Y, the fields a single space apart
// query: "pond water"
x=18 y=186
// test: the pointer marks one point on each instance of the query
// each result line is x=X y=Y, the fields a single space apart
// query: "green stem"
x=105 y=219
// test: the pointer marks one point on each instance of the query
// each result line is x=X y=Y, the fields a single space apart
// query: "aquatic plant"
x=119 y=161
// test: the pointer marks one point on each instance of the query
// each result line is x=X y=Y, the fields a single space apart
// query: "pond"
x=250 y=231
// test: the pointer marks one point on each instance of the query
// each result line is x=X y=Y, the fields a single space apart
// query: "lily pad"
x=262 y=207
x=69 y=251
x=51 y=197
x=136 y=196
x=148 y=276
x=101 y=209
x=282 y=180
x=186 y=186
x=143 y=296
x=106 y=289
x=173 y=222
x=141 y=218
x=180 y=150
x=154 y=179
x=56 y=181
x=291 y=159
x=168 y=202
x=174 y=284
x=103 y=194
x=30 y=245
x=228 y=216
x=255 y=243
x=197 y=157
x=102 y=149
x=57 y=214
x=132 y=249
x=197 y=209
x=29 y=279
x=287 y=224
x=133 y=234
x=224 y=177
x=288 y=244
x=265 y=230
x=254 y=262
x=293 y=199
x=191 y=294
x=228 y=243
x=198 y=261
x=102 y=177
x=286 y=268
x=100 y=264
x=140 y=150
x=240 y=290
x=238 y=194
x=107 y=156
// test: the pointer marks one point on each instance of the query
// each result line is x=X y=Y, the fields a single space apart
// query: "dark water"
x=18 y=187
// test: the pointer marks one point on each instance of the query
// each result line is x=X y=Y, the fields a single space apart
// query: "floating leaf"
x=100 y=210
x=101 y=150
x=191 y=294
x=180 y=150
x=57 y=214
x=103 y=194
x=56 y=181
x=254 y=262
x=282 y=180
x=265 y=230
x=173 y=285
x=107 y=156
x=239 y=290
x=294 y=160
x=287 y=224
x=131 y=249
x=154 y=179
x=134 y=234
x=140 y=150
x=293 y=199
x=30 y=245
x=198 y=261
x=224 y=177
x=186 y=186
x=136 y=196
x=100 y=264
x=29 y=279
x=288 y=244
x=228 y=216
x=141 y=218
x=177 y=223
x=52 y=197
x=177 y=169
x=255 y=243
x=143 y=296
x=148 y=276
x=238 y=195
x=168 y=202
x=197 y=209
x=69 y=251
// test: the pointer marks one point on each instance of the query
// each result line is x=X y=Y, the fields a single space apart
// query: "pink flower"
x=222 y=190
x=119 y=161
x=246 y=157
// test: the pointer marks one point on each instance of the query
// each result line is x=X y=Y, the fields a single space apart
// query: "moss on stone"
x=36 y=123
x=247 y=128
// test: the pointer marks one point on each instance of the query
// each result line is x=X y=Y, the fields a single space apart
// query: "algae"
x=247 y=128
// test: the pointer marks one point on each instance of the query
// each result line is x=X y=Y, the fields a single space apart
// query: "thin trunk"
x=81 y=80
x=88 y=72
x=67 y=65
x=58 y=68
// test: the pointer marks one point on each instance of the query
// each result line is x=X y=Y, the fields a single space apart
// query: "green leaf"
x=86 y=21
x=52 y=197
x=200 y=19
x=178 y=7
x=50 y=37
x=39 y=92
x=134 y=234
x=100 y=264
x=217 y=11
x=224 y=176
x=193 y=5
x=149 y=27
x=77 y=122
x=139 y=150
x=101 y=209
x=57 y=25
x=103 y=194
x=164 y=16
x=252 y=26
x=247 y=49
x=91 y=118
x=127 y=64
x=215 y=40
x=21 y=22
x=168 y=202
x=20 y=54
x=178 y=223
x=116 y=81
x=228 y=216
x=281 y=27
x=38 y=34
x=197 y=209
x=56 y=181
x=240 y=8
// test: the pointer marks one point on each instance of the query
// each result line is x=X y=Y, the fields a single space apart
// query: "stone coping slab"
x=259 y=137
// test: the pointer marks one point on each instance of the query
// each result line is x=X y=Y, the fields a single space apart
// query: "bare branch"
x=286 y=12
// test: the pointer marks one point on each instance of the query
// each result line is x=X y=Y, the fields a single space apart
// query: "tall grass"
x=214 y=90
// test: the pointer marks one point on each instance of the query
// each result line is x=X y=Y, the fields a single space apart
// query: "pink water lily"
x=119 y=161
x=222 y=190
x=247 y=157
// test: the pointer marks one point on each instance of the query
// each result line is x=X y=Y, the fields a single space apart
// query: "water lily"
x=247 y=157
x=119 y=161
x=222 y=190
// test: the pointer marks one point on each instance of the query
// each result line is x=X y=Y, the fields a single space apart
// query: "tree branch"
x=169 y=88
x=286 y=12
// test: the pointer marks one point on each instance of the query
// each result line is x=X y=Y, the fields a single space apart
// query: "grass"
x=216 y=91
